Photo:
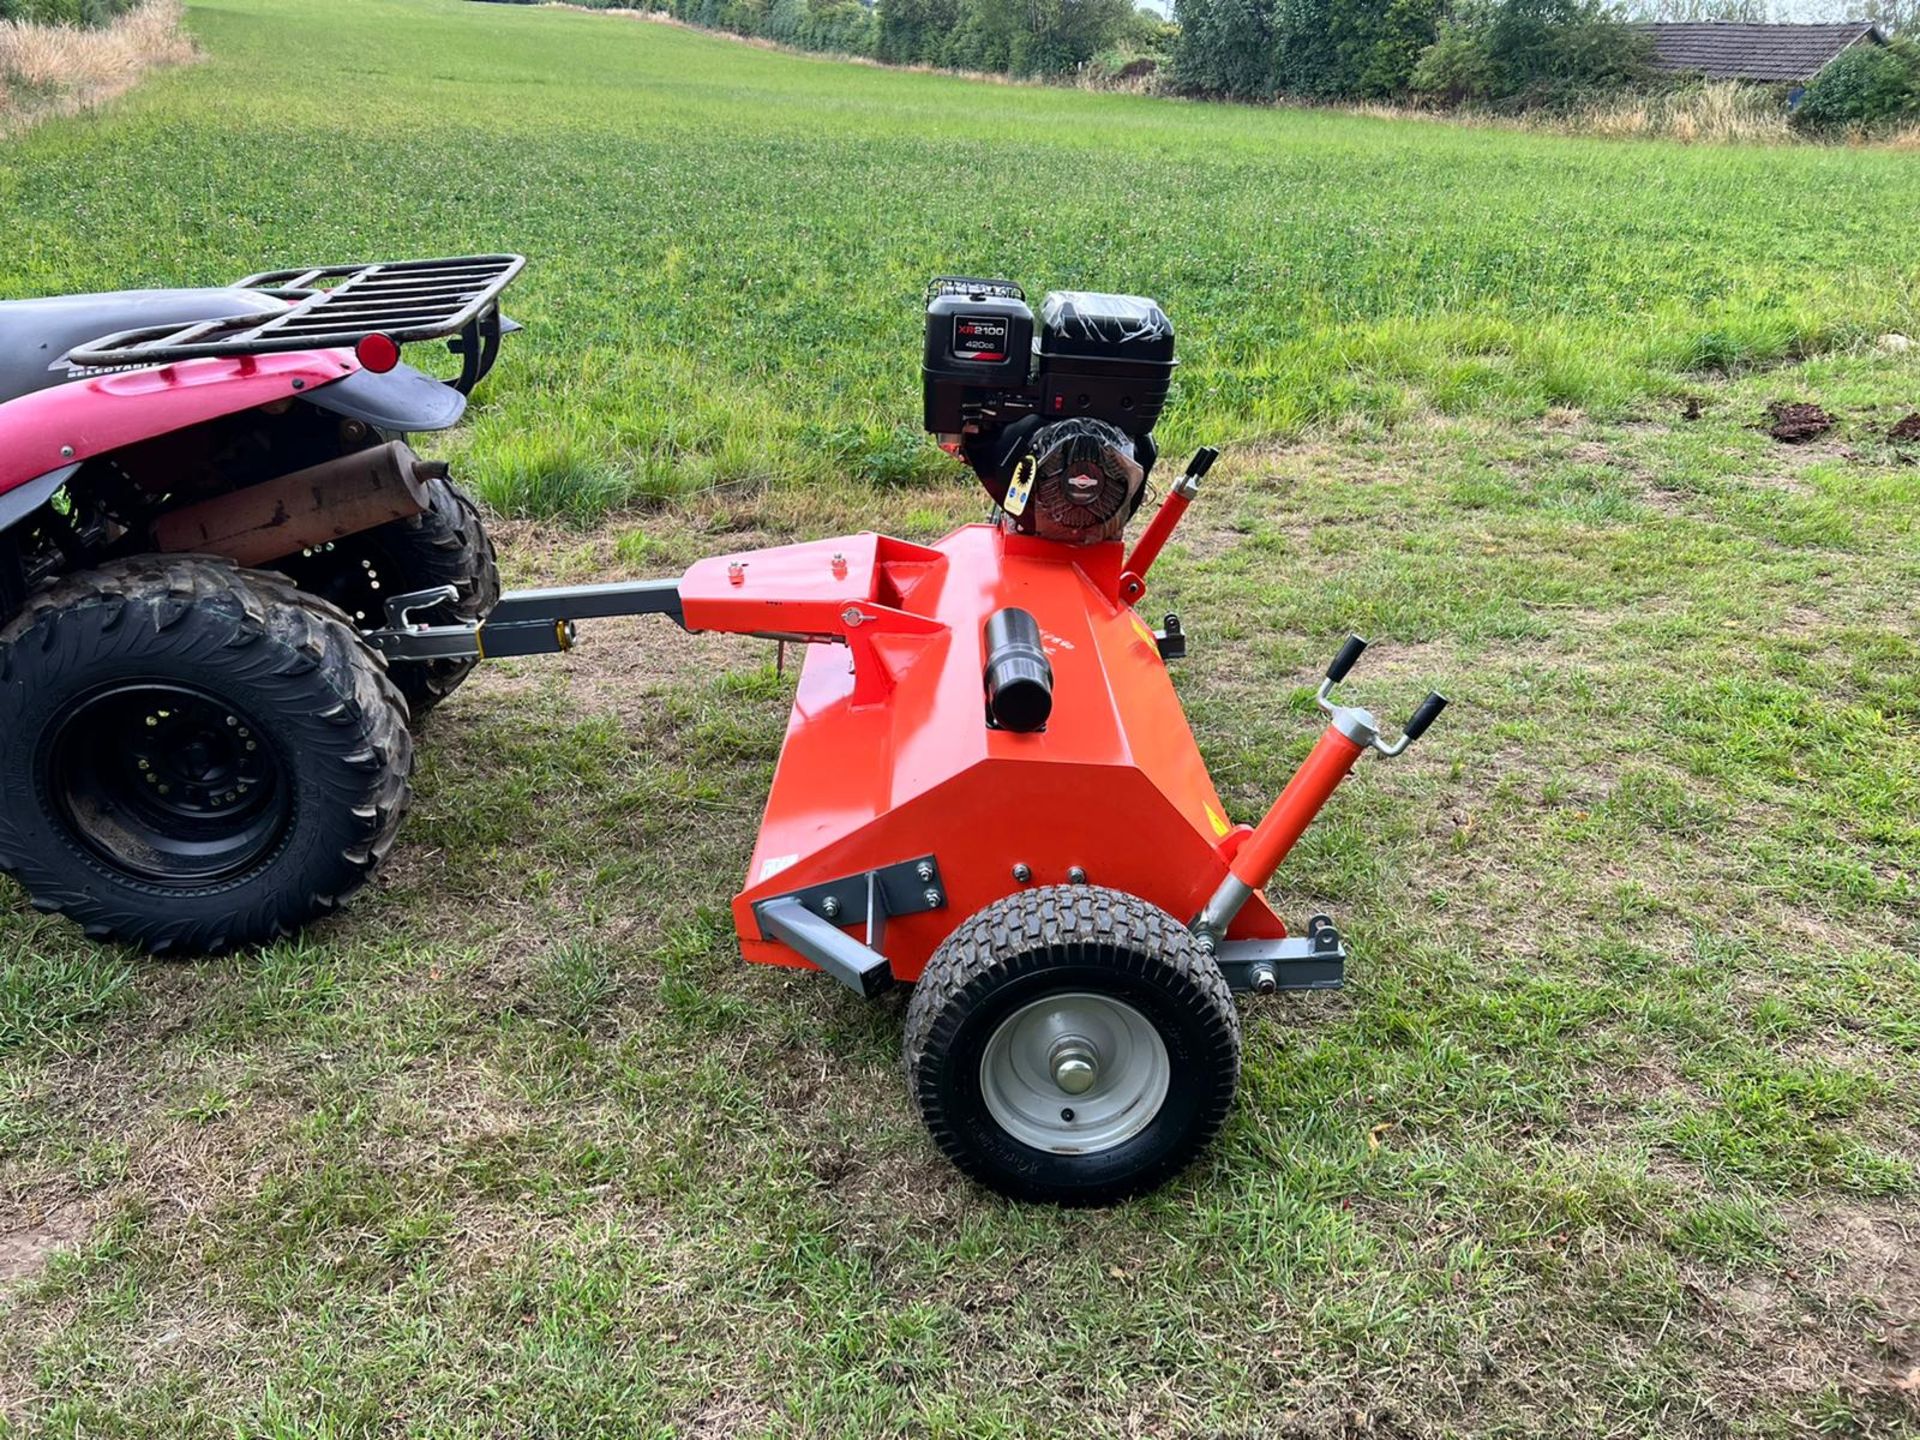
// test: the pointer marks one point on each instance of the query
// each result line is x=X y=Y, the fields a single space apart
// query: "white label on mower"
x=774 y=864
x=1020 y=487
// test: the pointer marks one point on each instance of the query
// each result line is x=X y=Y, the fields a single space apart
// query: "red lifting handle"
x=1133 y=574
x=1351 y=733
x=1312 y=785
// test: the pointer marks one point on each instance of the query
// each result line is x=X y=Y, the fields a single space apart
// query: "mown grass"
x=1613 y=1132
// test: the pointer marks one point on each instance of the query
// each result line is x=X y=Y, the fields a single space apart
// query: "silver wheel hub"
x=1075 y=1073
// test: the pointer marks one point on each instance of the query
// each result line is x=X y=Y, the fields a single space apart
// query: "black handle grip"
x=1344 y=661
x=1202 y=461
x=1428 y=712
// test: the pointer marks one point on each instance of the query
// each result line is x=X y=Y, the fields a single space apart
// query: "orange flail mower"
x=988 y=788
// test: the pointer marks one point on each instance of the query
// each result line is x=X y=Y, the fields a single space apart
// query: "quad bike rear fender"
x=44 y=436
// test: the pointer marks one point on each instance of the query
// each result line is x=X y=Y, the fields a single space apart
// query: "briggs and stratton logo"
x=979 y=337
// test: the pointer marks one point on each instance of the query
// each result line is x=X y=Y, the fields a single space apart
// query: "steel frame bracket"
x=1314 y=961
x=1172 y=640
x=809 y=920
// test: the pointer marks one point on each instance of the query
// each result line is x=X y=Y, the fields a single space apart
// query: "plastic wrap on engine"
x=1087 y=481
x=1089 y=318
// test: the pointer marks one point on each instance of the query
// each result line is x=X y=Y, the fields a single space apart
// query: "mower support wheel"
x=194 y=756
x=1072 y=1044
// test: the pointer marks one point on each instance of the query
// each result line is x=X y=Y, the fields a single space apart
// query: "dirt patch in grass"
x=1906 y=430
x=26 y=1251
x=1796 y=423
x=1843 y=1312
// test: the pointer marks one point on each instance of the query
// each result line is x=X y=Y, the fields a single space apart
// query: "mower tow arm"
x=522 y=622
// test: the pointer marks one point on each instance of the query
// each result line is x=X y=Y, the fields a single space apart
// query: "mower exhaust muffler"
x=1018 y=679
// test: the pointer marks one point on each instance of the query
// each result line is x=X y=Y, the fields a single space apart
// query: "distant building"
x=1732 y=50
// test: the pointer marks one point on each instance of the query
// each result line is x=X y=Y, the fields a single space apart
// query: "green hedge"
x=1504 y=52
x=1867 y=85
x=64 y=12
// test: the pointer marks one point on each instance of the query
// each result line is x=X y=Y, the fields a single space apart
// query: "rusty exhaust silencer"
x=309 y=507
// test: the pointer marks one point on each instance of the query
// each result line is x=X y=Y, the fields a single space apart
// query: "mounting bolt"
x=830 y=906
x=932 y=897
x=66 y=452
x=1023 y=872
x=1076 y=876
x=1264 y=979
x=924 y=870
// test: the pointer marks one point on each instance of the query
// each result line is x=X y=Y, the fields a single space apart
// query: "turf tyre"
x=252 y=643
x=1057 y=940
x=446 y=544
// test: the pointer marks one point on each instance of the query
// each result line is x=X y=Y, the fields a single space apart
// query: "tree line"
x=1503 y=55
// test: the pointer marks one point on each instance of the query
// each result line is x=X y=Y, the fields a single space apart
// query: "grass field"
x=1614 y=1130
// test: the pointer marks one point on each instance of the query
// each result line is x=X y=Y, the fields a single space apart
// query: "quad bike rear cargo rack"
x=337 y=306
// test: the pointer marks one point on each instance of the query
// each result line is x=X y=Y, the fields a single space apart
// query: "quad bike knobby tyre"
x=194 y=756
x=446 y=544
x=1072 y=1044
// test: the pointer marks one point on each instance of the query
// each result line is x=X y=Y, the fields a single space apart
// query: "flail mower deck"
x=988 y=788
x=211 y=531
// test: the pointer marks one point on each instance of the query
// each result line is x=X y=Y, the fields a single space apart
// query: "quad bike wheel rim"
x=1075 y=1073
x=167 y=783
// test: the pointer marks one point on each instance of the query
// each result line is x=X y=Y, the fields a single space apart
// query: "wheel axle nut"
x=1075 y=1065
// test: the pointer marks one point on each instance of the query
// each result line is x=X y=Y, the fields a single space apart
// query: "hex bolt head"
x=924 y=870
x=1265 y=979
x=1023 y=872
x=830 y=906
x=932 y=897
x=1076 y=876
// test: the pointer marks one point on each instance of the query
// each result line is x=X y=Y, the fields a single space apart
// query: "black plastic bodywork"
x=402 y=401
x=35 y=335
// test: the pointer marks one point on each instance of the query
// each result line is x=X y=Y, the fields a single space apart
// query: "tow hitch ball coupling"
x=1350 y=733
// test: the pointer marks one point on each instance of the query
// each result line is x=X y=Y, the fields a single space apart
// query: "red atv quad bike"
x=205 y=498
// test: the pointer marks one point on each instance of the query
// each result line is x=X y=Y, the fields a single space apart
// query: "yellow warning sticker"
x=1145 y=633
x=1218 y=821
